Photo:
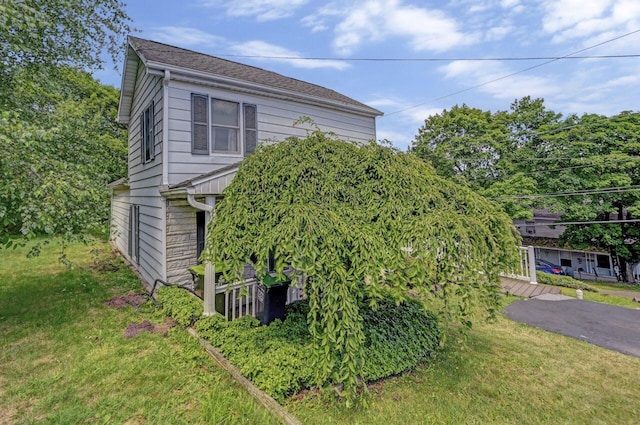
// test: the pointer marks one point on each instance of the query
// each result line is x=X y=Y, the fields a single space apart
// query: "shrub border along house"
x=278 y=358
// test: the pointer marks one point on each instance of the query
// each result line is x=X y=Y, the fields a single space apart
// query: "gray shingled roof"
x=175 y=56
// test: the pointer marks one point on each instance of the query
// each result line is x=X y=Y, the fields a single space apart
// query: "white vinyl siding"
x=120 y=220
x=274 y=120
x=145 y=177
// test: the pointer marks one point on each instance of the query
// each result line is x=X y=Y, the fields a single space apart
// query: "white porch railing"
x=238 y=299
x=526 y=269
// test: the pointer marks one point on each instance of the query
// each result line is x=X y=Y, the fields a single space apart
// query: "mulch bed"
x=129 y=300
x=135 y=329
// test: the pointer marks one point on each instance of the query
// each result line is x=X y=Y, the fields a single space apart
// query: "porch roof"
x=212 y=183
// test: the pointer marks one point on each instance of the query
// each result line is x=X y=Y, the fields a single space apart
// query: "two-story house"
x=192 y=118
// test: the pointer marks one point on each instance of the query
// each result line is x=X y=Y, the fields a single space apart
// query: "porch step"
x=521 y=288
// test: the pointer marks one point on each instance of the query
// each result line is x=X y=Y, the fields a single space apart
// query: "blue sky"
x=409 y=91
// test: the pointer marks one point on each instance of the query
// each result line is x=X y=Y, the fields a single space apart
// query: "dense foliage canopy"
x=59 y=143
x=357 y=221
x=529 y=157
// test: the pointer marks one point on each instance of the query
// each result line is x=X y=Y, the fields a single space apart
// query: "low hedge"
x=397 y=338
x=179 y=304
x=278 y=358
x=564 y=281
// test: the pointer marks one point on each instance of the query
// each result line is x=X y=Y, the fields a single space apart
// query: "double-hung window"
x=134 y=233
x=225 y=126
x=147 y=132
x=217 y=126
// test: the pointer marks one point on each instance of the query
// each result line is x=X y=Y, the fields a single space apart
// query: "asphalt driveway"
x=615 y=328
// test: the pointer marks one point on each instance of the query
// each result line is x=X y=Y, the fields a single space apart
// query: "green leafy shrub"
x=565 y=281
x=279 y=358
x=276 y=358
x=398 y=338
x=180 y=305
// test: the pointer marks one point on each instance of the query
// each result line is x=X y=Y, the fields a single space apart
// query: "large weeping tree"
x=359 y=221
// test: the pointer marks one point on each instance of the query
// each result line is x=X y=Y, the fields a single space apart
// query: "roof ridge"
x=163 y=53
x=230 y=61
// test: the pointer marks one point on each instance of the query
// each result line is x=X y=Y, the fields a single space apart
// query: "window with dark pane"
x=147 y=132
x=250 y=129
x=602 y=262
x=225 y=126
x=199 y=124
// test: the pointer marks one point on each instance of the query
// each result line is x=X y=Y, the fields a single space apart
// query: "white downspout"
x=209 y=269
x=165 y=127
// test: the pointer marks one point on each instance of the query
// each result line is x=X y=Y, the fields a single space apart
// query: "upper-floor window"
x=147 y=134
x=218 y=127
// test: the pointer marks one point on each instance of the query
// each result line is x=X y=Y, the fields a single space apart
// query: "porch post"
x=532 y=265
x=209 y=289
x=209 y=269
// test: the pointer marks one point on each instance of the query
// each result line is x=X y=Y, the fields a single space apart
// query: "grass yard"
x=65 y=360
x=503 y=373
x=602 y=298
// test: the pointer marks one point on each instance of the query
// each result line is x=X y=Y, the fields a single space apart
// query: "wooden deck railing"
x=237 y=299
x=525 y=270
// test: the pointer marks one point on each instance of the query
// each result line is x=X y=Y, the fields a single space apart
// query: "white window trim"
x=239 y=129
x=241 y=126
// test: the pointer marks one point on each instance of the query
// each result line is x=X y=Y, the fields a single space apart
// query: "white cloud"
x=272 y=52
x=316 y=23
x=184 y=36
x=419 y=114
x=589 y=20
x=509 y=3
x=499 y=32
x=263 y=10
x=373 y=21
x=399 y=139
x=562 y=14
x=483 y=74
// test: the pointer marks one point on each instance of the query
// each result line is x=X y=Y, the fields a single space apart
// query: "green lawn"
x=603 y=298
x=65 y=360
x=502 y=373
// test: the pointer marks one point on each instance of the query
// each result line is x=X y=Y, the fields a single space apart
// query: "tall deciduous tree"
x=38 y=36
x=59 y=143
x=357 y=220
x=54 y=171
x=605 y=153
x=534 y=151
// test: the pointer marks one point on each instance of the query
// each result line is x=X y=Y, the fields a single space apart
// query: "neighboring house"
x=192 y=118
x=543 y=236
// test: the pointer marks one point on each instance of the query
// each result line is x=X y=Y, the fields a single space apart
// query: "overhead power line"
x=573 y=54
x=462 y=59
x=604 y=190
x=574 y=167
x=567 y=223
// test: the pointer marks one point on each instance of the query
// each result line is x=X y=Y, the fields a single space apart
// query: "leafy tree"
x=463 y=143
x=54 y=172
x=39 y=36
x=59 y=143
x=532 y=150
x=357 y=221
x=605 y=153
